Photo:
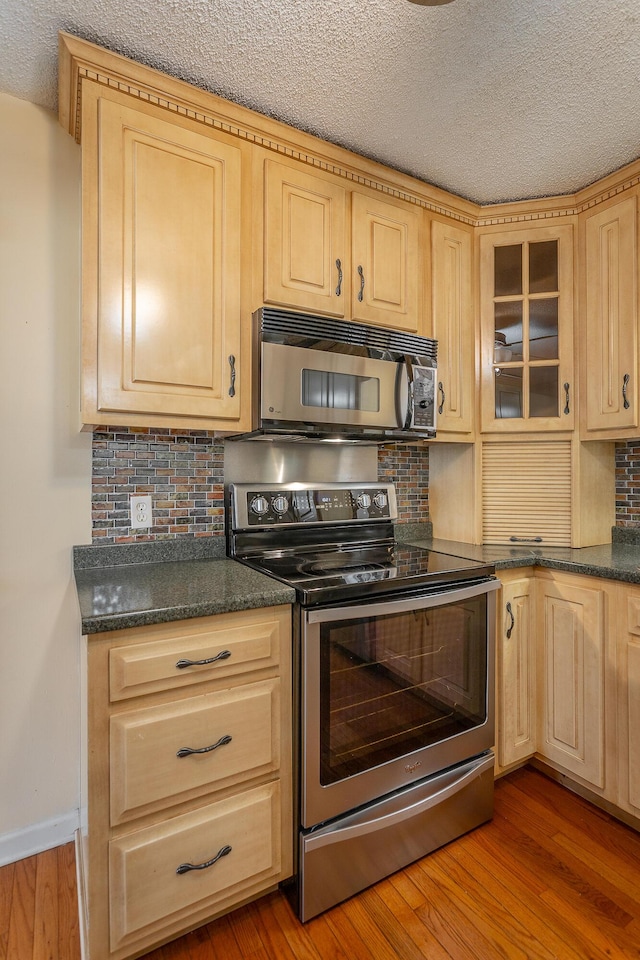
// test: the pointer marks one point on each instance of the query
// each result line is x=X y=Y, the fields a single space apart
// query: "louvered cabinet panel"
x=526 y=492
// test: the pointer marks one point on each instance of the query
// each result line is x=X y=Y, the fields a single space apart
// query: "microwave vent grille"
x=297 y=327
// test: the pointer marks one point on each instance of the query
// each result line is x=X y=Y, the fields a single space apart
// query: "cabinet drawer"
x=146 y=891
x=238 y=731
x=211 y=647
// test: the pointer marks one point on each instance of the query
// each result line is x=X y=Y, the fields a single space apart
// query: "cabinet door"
x=304 y=240
x=526 y=307
x=628 y=699
x=453 y=326
x=573 y=654
x=386 y=269
x=610 y=341
x=516 y=674
x=167 y=230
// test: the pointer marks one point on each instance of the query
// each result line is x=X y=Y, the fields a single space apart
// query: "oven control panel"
x=255 y=505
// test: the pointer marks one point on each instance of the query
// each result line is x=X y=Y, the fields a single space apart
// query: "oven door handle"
x=416 y=601
x=363 y=822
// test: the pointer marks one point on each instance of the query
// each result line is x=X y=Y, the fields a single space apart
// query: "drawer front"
x=147 y=892
x=195 y=651
x=237 y=730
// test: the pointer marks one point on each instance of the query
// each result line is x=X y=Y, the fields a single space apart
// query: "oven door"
x=392 y=692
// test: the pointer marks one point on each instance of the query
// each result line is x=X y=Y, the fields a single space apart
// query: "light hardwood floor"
x=550 y=877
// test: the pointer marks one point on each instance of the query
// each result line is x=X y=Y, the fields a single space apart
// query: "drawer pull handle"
x=188 y=751
x=186 y=867
x=361 y=290
x=566 y=398
x=513 y=621
x=625 y=384
x=442 y=397
x=223 y=655
x=525 y=539
x=339 y=269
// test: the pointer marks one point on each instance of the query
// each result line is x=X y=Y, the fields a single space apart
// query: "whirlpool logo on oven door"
x=412 y=767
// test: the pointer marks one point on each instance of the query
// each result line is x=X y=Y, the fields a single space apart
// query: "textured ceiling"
x=491 y=99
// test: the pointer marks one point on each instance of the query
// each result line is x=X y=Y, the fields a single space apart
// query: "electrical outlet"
x=141 y=512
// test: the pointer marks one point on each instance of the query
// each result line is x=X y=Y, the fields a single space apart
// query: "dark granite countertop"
x=618 y=560
x=145 y=583
x=142 y=583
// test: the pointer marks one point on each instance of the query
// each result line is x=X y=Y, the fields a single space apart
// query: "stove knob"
x=259 y=506
x=380 y=500
x=364 y=501
x=280 y=504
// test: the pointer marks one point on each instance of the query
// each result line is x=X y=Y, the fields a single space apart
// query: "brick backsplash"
x=183 y=471
x=628 y=484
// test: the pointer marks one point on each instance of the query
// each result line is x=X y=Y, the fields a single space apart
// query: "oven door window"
x=390 y=685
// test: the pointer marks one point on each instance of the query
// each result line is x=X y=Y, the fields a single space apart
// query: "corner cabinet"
x=610 y=342
x=526 y=306
x=188 y=775
x=353 y=254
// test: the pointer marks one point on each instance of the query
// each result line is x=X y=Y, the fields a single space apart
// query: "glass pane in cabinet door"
x=543 y=266
x=543 y=392
x=508 y=321
x=508 y=270
x=543 y=329
x=508 y=381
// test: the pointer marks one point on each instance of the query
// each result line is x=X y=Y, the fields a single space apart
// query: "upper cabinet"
x=162 y=229
x=453 y=326
x=353 y=254
x=526 y=303
x=305 y=240
x=610 y=315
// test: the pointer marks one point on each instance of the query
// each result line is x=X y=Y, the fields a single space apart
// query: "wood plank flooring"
x=550 y=877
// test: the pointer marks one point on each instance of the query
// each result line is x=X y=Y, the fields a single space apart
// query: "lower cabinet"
x=572 y=661
x=516 y=672
x=188 y=775
x=628 y=700
x=568 y=681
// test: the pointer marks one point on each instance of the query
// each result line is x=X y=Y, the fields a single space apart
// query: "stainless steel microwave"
x=316 y=377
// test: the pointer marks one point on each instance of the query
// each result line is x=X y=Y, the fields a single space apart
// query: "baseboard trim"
x=38 y=837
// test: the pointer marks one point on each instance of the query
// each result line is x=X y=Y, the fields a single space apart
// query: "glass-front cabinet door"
x=527 y=318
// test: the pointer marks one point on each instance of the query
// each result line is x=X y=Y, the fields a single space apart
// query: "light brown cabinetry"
x=188 y=774
x=628 y=699
x=453 y=326
x=516 y=669
x=354 y=254
x=162 y=230
x=573 y=660
x=526 y=305
x=610 y=341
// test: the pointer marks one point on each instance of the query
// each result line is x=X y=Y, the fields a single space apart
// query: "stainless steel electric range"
x=393 y=681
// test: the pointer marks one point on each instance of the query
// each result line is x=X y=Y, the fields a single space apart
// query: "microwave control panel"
x=424 y=382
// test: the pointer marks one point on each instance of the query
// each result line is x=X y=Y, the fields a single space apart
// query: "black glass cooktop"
x=332 y=574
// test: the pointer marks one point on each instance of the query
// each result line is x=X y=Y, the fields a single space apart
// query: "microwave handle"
x=404 y=378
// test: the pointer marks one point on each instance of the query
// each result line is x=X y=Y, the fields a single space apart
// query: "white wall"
x=45 y=480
